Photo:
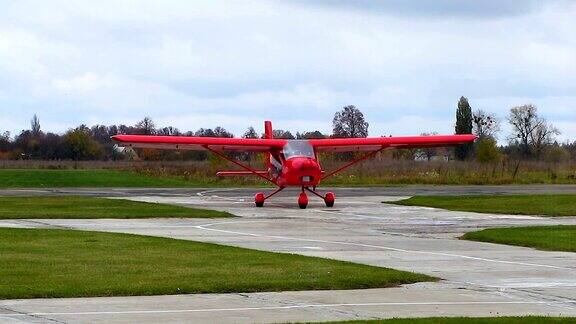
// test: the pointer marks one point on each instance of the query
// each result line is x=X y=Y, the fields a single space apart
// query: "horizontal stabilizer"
x=241 y=173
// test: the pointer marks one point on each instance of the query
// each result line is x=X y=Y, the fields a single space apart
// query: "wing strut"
x=245 y=167
x=347 y=165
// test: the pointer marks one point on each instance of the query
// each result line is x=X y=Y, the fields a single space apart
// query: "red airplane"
x=290 y=162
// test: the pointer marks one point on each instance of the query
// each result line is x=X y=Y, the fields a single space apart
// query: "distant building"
x=432 y=155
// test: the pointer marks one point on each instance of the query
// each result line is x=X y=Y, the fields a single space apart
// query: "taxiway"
x=478 y=279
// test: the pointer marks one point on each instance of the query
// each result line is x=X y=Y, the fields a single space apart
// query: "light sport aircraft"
x=290 y=162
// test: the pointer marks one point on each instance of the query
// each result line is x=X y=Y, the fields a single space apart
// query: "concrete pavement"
x=404 y=190
x=479 y=279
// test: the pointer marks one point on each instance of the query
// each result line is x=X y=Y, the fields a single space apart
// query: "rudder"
x=268 y=133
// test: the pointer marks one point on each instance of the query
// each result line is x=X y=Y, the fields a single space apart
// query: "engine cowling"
x=301 y=171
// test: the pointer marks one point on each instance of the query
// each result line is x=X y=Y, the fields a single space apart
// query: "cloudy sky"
x=195 y=64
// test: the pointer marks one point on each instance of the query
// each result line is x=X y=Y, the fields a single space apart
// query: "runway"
x=479 y=279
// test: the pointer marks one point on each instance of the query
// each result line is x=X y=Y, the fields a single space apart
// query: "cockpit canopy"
x=301 y=148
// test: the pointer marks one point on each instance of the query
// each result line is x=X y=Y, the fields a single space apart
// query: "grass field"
x=372 y=173
x=472 y=320
x=64 y=263
x=89 y=207
x=543 y=205
x=549 y=238
x=38 y=178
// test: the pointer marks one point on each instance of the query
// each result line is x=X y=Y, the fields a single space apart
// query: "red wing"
x=376 y=143
x=199 y=143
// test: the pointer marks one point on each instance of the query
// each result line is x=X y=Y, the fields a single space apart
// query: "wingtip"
x=116 y=138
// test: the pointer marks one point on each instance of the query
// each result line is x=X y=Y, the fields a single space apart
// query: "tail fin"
x=268 y=130
x=268 y=133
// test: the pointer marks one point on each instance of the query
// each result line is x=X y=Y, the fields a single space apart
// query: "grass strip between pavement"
x=89 y=207
x=548 y=238
x=44 y=263
x=541 y=205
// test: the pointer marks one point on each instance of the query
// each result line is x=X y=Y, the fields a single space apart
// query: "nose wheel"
x=329 y=198
x=259 y=199
x=302 y=200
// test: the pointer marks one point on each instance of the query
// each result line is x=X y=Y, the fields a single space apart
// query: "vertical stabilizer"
x=268 y=133
x=268 y=129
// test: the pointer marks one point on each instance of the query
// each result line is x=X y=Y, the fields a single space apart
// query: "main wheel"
x=329 y=199
x=259 y=199
x=302 y=200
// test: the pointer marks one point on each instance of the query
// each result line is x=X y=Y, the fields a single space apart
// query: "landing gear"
x=259 y=199
x=302 y=200
x=329 y=199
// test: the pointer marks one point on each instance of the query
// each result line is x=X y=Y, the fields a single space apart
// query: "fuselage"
x=295 y=165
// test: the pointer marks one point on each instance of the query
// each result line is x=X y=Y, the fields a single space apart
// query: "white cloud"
x=236 y=63
x=85 y=83
x=568 y=130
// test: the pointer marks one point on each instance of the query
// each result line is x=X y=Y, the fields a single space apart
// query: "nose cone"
x=302 y=171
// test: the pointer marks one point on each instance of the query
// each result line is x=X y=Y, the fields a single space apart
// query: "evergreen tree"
x=463 y=126
x=35 y=126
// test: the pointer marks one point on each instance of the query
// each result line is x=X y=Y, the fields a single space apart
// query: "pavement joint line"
x=205 y=227
x=264 y=308
x=48 y=225
x=512 y=293
x=20 y=313
x=202 y=194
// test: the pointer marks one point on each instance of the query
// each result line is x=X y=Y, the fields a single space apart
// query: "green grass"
x=38 y=178
x=45 y=263
x=472 y=320
x=204 y=176
x=89 y=207
x=549 y=238
x=543 y=205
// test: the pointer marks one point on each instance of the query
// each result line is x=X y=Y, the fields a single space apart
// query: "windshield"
x=298 y=148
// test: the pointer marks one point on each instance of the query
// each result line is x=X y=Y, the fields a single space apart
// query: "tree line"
x=532 y=137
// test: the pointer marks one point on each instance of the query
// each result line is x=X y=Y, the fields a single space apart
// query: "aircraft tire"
x=329 y=199
x=259 y=199
x=302 y=200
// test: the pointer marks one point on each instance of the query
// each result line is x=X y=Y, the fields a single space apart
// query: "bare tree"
x=250 y=133
x=486 y=125
x=349 y=122
x=427 y=152
x=222 y=132
x=311 y=135
x=169 y=131
x=146 y=126
x=280 y=133
x=203 y=132
x=532 y=132
x=543 y=136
